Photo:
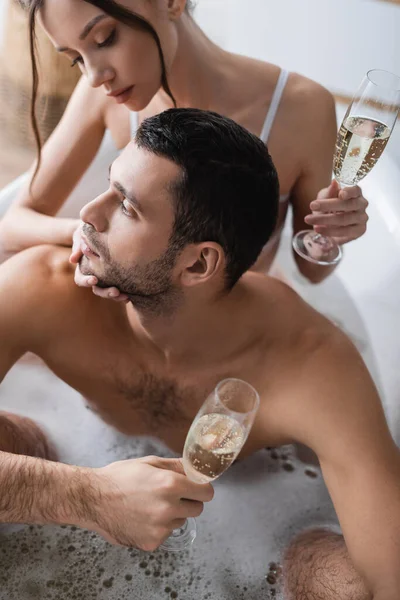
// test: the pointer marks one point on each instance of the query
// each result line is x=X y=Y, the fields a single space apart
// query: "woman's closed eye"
x=109 y=41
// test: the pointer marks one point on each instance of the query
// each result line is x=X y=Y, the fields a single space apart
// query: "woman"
x=140 y=57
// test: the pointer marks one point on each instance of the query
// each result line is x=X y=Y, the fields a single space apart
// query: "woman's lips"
x=86 y=250
x=124 y=96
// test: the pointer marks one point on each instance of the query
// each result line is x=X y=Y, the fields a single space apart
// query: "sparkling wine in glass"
x=214 y=441
x=361 y=140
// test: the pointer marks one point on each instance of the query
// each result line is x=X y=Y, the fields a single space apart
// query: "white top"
x=274 y=106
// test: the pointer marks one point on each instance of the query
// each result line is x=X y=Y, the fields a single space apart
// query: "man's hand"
x=340 y=214
x=90 y=280
x=142 y=500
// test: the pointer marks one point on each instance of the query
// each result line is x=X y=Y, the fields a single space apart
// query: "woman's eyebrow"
x=86 y=30
x=89 y=26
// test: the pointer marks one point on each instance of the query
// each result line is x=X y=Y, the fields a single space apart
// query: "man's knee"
x=317 y=565
x=20 y=435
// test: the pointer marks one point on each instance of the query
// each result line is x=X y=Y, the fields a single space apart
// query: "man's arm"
x=134 y=502
x=30 y=489
x=361 y=467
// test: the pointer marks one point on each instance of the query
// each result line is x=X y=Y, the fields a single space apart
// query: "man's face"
x=127 y=230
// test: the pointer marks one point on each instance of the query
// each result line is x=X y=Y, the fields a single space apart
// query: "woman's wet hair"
x=110 y=7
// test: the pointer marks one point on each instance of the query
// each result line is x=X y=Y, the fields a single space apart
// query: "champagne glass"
x=213 y=442
x=361 y=140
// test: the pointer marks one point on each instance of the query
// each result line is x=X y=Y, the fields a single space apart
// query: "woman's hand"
x=339 y=213
x=90 y=280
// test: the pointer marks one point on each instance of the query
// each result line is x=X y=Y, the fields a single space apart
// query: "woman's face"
x=121 y=59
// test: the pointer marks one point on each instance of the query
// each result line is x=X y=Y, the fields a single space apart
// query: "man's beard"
x=149 y=287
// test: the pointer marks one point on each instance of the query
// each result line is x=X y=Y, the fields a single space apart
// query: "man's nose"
x=94 y=214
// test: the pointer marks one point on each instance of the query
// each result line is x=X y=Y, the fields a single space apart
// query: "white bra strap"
x=134 y=123
x=273 y=109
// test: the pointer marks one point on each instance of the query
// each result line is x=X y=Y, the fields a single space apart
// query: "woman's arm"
x=317 y=140
x=65 y=157
x=340 y=213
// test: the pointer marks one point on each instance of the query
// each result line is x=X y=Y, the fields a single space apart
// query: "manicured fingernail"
x=92 y=281
x=113 y=294
x=307 y=219
x=315 y=205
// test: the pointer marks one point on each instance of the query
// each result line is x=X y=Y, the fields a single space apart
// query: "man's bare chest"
x=132 y=388
x=136 y=396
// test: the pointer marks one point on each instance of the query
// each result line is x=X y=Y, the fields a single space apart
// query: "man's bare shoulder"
x=280 y=310
x=321 y=381
x=37 y=302
x=38 y=262
x=283 y=313
x=38 y=279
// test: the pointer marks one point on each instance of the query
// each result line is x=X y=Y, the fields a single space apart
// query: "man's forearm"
x=33 y=490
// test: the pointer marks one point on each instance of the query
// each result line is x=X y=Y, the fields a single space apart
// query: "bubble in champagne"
x=213 y=443
x=359 y=145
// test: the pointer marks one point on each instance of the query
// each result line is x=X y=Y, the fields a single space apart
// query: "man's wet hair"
x=228 y=190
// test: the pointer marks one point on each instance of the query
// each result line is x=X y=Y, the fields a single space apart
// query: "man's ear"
x=202 y=262
x=176 y=8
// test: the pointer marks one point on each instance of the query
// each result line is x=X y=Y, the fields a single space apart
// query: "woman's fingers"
x=84 y=280
x=345 y=203
x=341 y=219
x=345 y=234
x=340 y=214
x=76 y=253
x=112 y=293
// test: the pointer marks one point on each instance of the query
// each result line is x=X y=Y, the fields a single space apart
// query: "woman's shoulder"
x=300 y=92
x=307 y=93
x=260 y=76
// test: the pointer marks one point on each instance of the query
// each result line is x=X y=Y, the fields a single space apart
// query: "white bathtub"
x=257 y=504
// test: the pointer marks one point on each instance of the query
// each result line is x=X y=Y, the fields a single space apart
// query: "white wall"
x=331 y=41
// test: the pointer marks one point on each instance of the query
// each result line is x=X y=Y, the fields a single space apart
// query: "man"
x=191 y=202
